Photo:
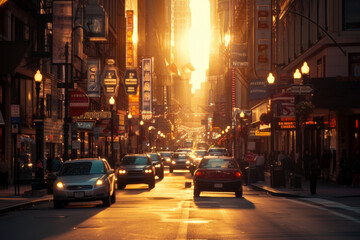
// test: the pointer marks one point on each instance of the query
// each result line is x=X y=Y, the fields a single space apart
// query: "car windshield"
x=217 y=163
x=200 y=153
x=154 y=158
x=179 y=156
x=82 y=168
x=135 y=161
x=165 y=154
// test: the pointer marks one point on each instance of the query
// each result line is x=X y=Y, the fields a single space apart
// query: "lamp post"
x=39 y=174
x=271 y=81
x=112 y=102
x=141 y=135
x=129 y=150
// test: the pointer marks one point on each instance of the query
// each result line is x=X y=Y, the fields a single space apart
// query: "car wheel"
x=58 y=204
x=196 y=192
x=107 y=201
x=121 y=185
x=151 y=184
x=161 y=175
x=113 y=196
x=239 y=192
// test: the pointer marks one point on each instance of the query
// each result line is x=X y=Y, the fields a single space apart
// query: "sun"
x=199 y=41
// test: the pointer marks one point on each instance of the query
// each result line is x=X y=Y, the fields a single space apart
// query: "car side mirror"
x=111 y=171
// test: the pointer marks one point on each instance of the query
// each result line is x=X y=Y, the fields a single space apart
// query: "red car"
x=218 y=173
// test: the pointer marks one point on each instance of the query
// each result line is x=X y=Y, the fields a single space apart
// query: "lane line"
x=183 y=226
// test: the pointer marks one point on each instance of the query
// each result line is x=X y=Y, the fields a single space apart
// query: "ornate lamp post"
x=39 y=174
x=129 y=150
x=141 y=136
x=271 y=81
x=112 y=102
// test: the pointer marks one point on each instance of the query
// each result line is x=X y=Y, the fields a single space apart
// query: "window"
x=354 y=65
x=48 y=105
x=351 y=16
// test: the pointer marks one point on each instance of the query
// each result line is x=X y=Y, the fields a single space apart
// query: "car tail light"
x=199 y=174
x=238 y=174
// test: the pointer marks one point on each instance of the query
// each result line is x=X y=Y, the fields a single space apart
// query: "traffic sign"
x=78 y=103
x=301 y=89
x=250 y=157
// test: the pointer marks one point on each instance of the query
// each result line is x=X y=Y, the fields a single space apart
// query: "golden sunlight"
x=199 y=41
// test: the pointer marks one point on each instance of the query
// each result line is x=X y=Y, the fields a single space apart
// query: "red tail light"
x=238 y=174
x=198 y=174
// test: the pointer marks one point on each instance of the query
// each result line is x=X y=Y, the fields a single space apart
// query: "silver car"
x=87 y=179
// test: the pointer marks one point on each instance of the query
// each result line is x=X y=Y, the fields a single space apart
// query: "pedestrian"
x=356 y=171
x=259 y=164
x=56 y=164
x=325 y=165
x=307 y=161
x=286 y=164
x=345 y=169
x=3 y=172
x=314 y=173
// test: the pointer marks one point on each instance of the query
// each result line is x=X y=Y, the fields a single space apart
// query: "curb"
x=276 y=193
x=23 y=205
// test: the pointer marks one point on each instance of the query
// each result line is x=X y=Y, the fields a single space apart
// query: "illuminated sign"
x=110 y=80
x=146 y=89
x=131 y=81
x=93 y=84
x=129 y=38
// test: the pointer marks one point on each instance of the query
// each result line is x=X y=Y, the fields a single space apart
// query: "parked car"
x=166 y=156
x=158 y=162
x=184 y=150
x=87 y=179
x=136 y=168
x=182 y=161
x=217 y=151
x=218 y=173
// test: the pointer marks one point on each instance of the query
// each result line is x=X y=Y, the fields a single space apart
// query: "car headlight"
x=187 y=162
x=60 y=185
x=173 y=162
x=148 y=171
x=168 y=160
x=122 y=171
x=158 y=165
x=99 y=182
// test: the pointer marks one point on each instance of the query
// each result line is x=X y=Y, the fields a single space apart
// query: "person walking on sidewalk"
x=3 y=172
x=259 y=164
x=314 y=174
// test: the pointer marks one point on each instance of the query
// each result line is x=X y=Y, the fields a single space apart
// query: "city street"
x=169 y=211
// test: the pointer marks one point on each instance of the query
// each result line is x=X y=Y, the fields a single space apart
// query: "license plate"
x=218 y=185
x=79 y=194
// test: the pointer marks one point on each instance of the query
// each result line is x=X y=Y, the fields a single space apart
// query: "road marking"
x=328 y=203
x=328 y=210
x=183 y=226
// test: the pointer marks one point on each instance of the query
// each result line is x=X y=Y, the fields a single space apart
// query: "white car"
x=87 y=179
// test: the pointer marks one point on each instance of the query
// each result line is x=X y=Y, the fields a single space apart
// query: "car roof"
x=218 y=157
x=85 y=160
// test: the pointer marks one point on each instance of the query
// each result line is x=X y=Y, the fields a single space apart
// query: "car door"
x=111 y=177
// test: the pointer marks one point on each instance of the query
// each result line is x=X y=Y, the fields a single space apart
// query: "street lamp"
x=112 y=102
x=141 y=135
x=271 y=81
x=39 y=173
x=129 y=141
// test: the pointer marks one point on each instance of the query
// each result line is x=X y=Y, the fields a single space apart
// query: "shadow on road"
x=223 y=202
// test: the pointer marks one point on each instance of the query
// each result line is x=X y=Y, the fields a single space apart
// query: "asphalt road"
x=169 y=211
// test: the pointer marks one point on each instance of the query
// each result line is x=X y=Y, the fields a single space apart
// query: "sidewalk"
x=323 y=189
x=9 y=201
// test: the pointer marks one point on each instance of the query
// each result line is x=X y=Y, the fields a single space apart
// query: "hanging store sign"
x=96 y=21
x=93 y=84
x=131 y=81
x=62 y=27
x=146 y=89
x=239 y=55
x=129 y=38
x=110 y=79
x=262 y=29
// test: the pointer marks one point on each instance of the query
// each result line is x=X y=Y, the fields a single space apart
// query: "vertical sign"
x=262 y=36
x=146 y=89
x=93 y=84
x=129 y=38
x=62 y=27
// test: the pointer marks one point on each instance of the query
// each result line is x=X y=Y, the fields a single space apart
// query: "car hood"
x=79 y=179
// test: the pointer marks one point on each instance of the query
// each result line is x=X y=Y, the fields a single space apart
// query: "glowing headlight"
x=173 y=162
x=60 y=185
x=168 y=160
x=158 y=165
x=187 y=162
x=99 y=182
x=122 y=171
x=148 y=171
